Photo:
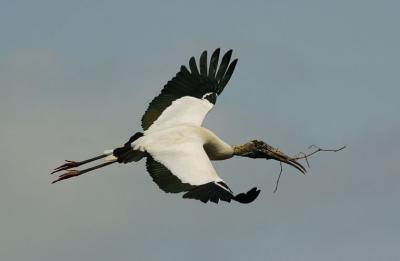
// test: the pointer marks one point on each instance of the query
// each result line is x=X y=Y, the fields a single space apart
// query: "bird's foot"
x=69 y=174
x=70 y=164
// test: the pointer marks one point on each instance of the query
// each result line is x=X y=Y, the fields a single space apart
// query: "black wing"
x=195 y=83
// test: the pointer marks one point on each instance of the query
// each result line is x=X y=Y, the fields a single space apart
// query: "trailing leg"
x=74 y=172
x=122 y=154
x=73 y=164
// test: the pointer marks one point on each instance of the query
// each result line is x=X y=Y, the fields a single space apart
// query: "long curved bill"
x=280 y=156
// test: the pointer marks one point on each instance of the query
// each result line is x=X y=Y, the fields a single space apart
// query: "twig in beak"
x=304 y=156
x=318 y=149
x=279 y=177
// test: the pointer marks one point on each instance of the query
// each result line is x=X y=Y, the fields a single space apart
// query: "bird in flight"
x=177 y=149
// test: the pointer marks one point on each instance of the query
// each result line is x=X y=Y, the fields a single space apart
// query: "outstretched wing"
x=190 y=95
x=186 y=168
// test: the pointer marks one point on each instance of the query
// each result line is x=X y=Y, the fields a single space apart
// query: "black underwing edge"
x=164 y=178
x=212 y=191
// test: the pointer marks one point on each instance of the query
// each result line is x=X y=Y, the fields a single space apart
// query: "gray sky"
x=76 y=76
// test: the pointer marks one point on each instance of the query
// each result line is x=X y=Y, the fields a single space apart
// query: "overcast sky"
x=76 y=77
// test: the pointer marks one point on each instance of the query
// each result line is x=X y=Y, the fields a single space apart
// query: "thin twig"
x=279 y=177
x=305 y=156
x=318 y=149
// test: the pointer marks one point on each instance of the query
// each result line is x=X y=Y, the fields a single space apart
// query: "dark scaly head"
x=258 y=149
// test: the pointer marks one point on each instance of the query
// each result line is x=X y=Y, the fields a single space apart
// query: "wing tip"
x=215 y=192
x=247 y=197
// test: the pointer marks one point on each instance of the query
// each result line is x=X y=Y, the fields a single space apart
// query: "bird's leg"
x=73 y=164
x=70 y=173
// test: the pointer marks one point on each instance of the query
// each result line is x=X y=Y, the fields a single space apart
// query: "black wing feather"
x=209 y=192
x=213 y=64
x=193 y=67
x=214 y=192
x=224 y=64
x=203 y=64
x=228 y=75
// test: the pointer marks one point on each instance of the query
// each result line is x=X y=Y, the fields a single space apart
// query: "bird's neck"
x=244 y=150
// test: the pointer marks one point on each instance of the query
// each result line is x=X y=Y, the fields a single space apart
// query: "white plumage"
x=181 y=150
x=186 y=110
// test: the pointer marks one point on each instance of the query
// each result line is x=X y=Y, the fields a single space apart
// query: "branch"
x=317 y=149
x=305 y=156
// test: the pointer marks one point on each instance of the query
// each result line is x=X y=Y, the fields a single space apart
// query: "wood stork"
x=177 y=149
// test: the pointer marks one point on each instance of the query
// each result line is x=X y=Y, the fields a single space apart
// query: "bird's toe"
x=69 y=174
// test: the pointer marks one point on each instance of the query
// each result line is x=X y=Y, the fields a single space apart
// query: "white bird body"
x=178 y=150
x=186 y=151
x=215 y=148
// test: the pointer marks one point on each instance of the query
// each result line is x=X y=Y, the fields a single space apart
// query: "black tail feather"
x=126 y=153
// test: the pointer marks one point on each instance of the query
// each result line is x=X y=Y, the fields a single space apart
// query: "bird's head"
x=258 y=149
